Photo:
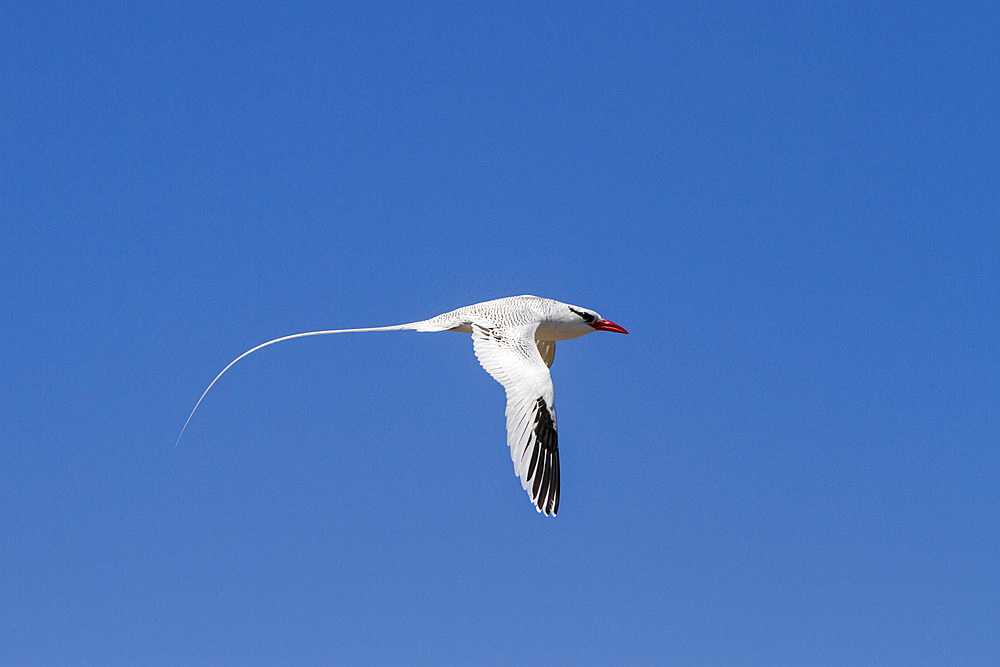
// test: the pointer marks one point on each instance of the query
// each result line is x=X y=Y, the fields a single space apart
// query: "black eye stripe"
x=587 y=317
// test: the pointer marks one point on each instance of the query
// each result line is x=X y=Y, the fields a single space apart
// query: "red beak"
x=607 y=325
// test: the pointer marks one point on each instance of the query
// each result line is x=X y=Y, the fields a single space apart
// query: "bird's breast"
x=558 y=331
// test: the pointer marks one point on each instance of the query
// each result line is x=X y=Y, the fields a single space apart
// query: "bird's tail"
x=424 y=325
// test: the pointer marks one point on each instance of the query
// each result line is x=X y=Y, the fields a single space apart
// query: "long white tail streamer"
x=397 y=327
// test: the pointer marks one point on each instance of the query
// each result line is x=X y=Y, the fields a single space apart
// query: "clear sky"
x=793 y=208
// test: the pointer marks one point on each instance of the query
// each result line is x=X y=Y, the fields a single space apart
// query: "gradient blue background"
x=793 y=458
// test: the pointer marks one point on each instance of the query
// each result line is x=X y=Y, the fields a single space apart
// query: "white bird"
x=515 y=341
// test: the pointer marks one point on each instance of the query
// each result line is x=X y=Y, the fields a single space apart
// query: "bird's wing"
x=511 y=356
x=547 y=348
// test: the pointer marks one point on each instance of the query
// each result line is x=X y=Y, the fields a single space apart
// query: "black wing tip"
x=545 y=487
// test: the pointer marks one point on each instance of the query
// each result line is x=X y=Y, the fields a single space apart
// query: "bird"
x=514 y=339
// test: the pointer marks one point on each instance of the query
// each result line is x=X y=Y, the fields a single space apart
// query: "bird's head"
x=591 y=319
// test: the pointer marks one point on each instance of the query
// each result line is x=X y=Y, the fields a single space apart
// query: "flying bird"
x=514 y=339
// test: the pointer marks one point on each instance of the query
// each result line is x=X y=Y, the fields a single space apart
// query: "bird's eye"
x=587 y=317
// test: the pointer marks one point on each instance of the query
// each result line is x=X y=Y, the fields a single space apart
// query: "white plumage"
x=515 y=341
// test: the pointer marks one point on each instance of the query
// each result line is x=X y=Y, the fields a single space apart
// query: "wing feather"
x=547 y=350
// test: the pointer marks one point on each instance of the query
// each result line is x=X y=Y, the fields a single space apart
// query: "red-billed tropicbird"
x=515 y=341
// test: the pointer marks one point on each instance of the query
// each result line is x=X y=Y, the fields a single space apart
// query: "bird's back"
x=510 y=311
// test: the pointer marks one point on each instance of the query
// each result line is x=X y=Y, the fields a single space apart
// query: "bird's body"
x=514 y=339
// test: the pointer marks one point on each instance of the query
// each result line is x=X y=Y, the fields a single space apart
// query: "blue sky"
x=792 y=459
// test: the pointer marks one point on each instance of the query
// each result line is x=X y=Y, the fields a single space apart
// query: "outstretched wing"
x=512 y=357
